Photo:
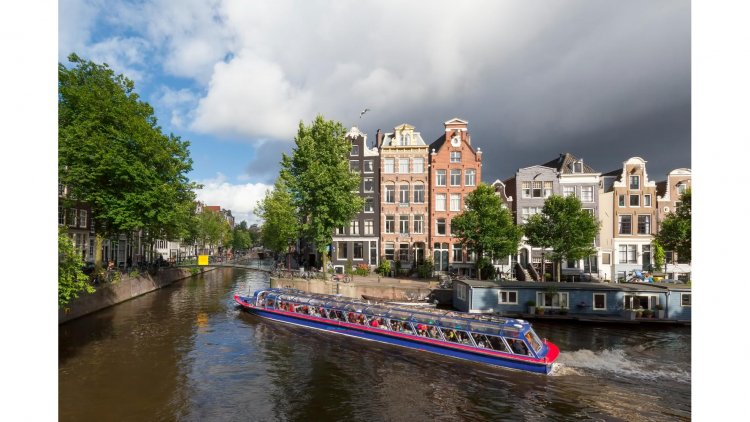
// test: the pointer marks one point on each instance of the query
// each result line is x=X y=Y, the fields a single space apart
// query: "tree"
x=486 y=226
x=658 y=255
x=241 y=237
x=213 y=229
x=323 y=189
x=280 y=226
x=675 y=231
x=70 y=278
x=113 y=156
x=563 y=227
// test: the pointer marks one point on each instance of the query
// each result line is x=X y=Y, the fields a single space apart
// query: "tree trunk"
x=544 y=263
x=98 y=242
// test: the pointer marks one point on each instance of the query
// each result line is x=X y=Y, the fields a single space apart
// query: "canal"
x=187 y=353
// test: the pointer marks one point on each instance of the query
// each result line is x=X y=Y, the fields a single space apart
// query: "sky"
x=604 y=80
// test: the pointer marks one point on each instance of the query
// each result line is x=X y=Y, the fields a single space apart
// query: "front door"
x=646 y=258
x=524 y=258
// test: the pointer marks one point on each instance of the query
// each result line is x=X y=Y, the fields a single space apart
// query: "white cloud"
x=241 y=199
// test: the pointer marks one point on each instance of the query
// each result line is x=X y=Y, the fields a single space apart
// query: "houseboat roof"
x=625 y=287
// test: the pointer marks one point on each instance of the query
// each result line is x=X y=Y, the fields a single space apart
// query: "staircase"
x=522 y=274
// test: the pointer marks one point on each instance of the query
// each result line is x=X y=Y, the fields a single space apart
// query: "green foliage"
x=425 y=269
x=348 y=267
x=194 y=271
x=486 y=269
x=485 y=225
x=362 y=270
x=279 y=214
x=70 y=278
x=213 y=229
x=323 y=189
x=114 y=156
x=133 y=273
x=659 y=255
x=563 y=227
x=385 y=267
x=675 y=231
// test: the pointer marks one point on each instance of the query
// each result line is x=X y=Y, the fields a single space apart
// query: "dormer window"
x=405 y=139
x=681 y=188
x=577 y=167
x=355 y=150
x=635 y=182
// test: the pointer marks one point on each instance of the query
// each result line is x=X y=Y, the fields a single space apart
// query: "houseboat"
x=505 y=342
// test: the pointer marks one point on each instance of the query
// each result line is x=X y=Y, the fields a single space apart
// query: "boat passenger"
x=432 y=332
x=518 y=347
x=361 y=320
x=374 y=323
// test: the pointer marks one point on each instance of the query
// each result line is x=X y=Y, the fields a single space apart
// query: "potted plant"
x=531 y=306
x=648 y=313
x=660 y=312
x=539 y=310
x=639 y=313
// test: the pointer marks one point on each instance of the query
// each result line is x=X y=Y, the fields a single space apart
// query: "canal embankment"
x=127 y=288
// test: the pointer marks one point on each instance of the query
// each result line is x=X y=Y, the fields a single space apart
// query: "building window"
x=505 y=297
x=369 y=225
x=624 y=224
x=606 y=258
x=458 y=253
x=552 y=300
x=390 y=194
x=455 y=202
x=72 y=217
x=461 y=292
x=369 y=184
x=470 y=177
x=635 y=182
x=635 y=200
x=390 y=224
x=419 y=194
x=60 y=215
x=600 y=301
x=389 y=251
x=354 y=227
x=681 y=188
x=628 y=254
x=577 y=167
x=60 y=189
x=536 y=189
x=403 y=252
x=373 y=253
x=340 y=230
x=355 y=150
x=471 y=254
x=342 y=250
x=440 y=226
x=547 y=189
x=418 y=224
x=527 y=212
x=403 y=194
x=369 y=205
x=440 y=202
x=354 y=166
x=358 y=250
x=405 y=139
x=403 y=224
x=620 y=200
x=82 y=218
x=569 y=191
x=440 y=178
x=389 y=162
x=456 y=177
x=455 y=156
x=644 y=224
x=403 y=165
x=685 y=300
x=369 y=166
x=418 y=165
x=587 y=194
x=526 y=189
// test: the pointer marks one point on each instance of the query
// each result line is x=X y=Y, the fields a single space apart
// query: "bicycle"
x=341 y=277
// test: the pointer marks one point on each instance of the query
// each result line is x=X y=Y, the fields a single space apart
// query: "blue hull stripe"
x=412 y=344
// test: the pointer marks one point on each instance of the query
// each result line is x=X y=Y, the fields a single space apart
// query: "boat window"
x=482 y=327
x=534 y=341
x=377 y=322
x=518 y=346
x=376 y=311
x=399 y=315
x=482 y=341
x=425 y=330
x=511 y=331
x=401 y=326
x=453 y=323
x=456 y=336
x=496 y=343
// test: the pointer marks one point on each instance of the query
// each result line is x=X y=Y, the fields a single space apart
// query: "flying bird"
x=363 y=112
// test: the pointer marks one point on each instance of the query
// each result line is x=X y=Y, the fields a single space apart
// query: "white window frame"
x=392 y=190
x=440 y=202
x=690 y=300
x=371 y=204
x=372 y=184
x=417 y=165
x=619 y=223
x=403 y=194
x=637 y=182
x=361 y=250
x=507 y=296
x=354 y=227
x=638 y=225
x=354 y=166
x=647 y=200
x=445 y=227
x=470 y=177
x=419 y=228
x=457 y=257
x=369 y=166
x=630 y=201
x=419 y=193
x=525 y=189
x=389 y=165
x=569 y=191
x=547 y=188
x=584 y=196
x=369 y=226
x=540 y=300
x=461 y=291
x=456 y=176
x=593 y=302
x=455 y=204
x=537 y=186
x=392 y=229
x=440 y=174
x=455 y=156
x=403 y=224
x=621 y=200
x=355 y=150
x=403 y=165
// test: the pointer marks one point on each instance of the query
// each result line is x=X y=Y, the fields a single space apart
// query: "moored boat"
x=505 y=342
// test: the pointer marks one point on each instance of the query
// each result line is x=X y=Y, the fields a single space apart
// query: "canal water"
x=187 y=353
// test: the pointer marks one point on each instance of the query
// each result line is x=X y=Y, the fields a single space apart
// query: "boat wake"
x=618 y=363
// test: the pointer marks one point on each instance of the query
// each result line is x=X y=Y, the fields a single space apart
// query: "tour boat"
x=505 y=342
